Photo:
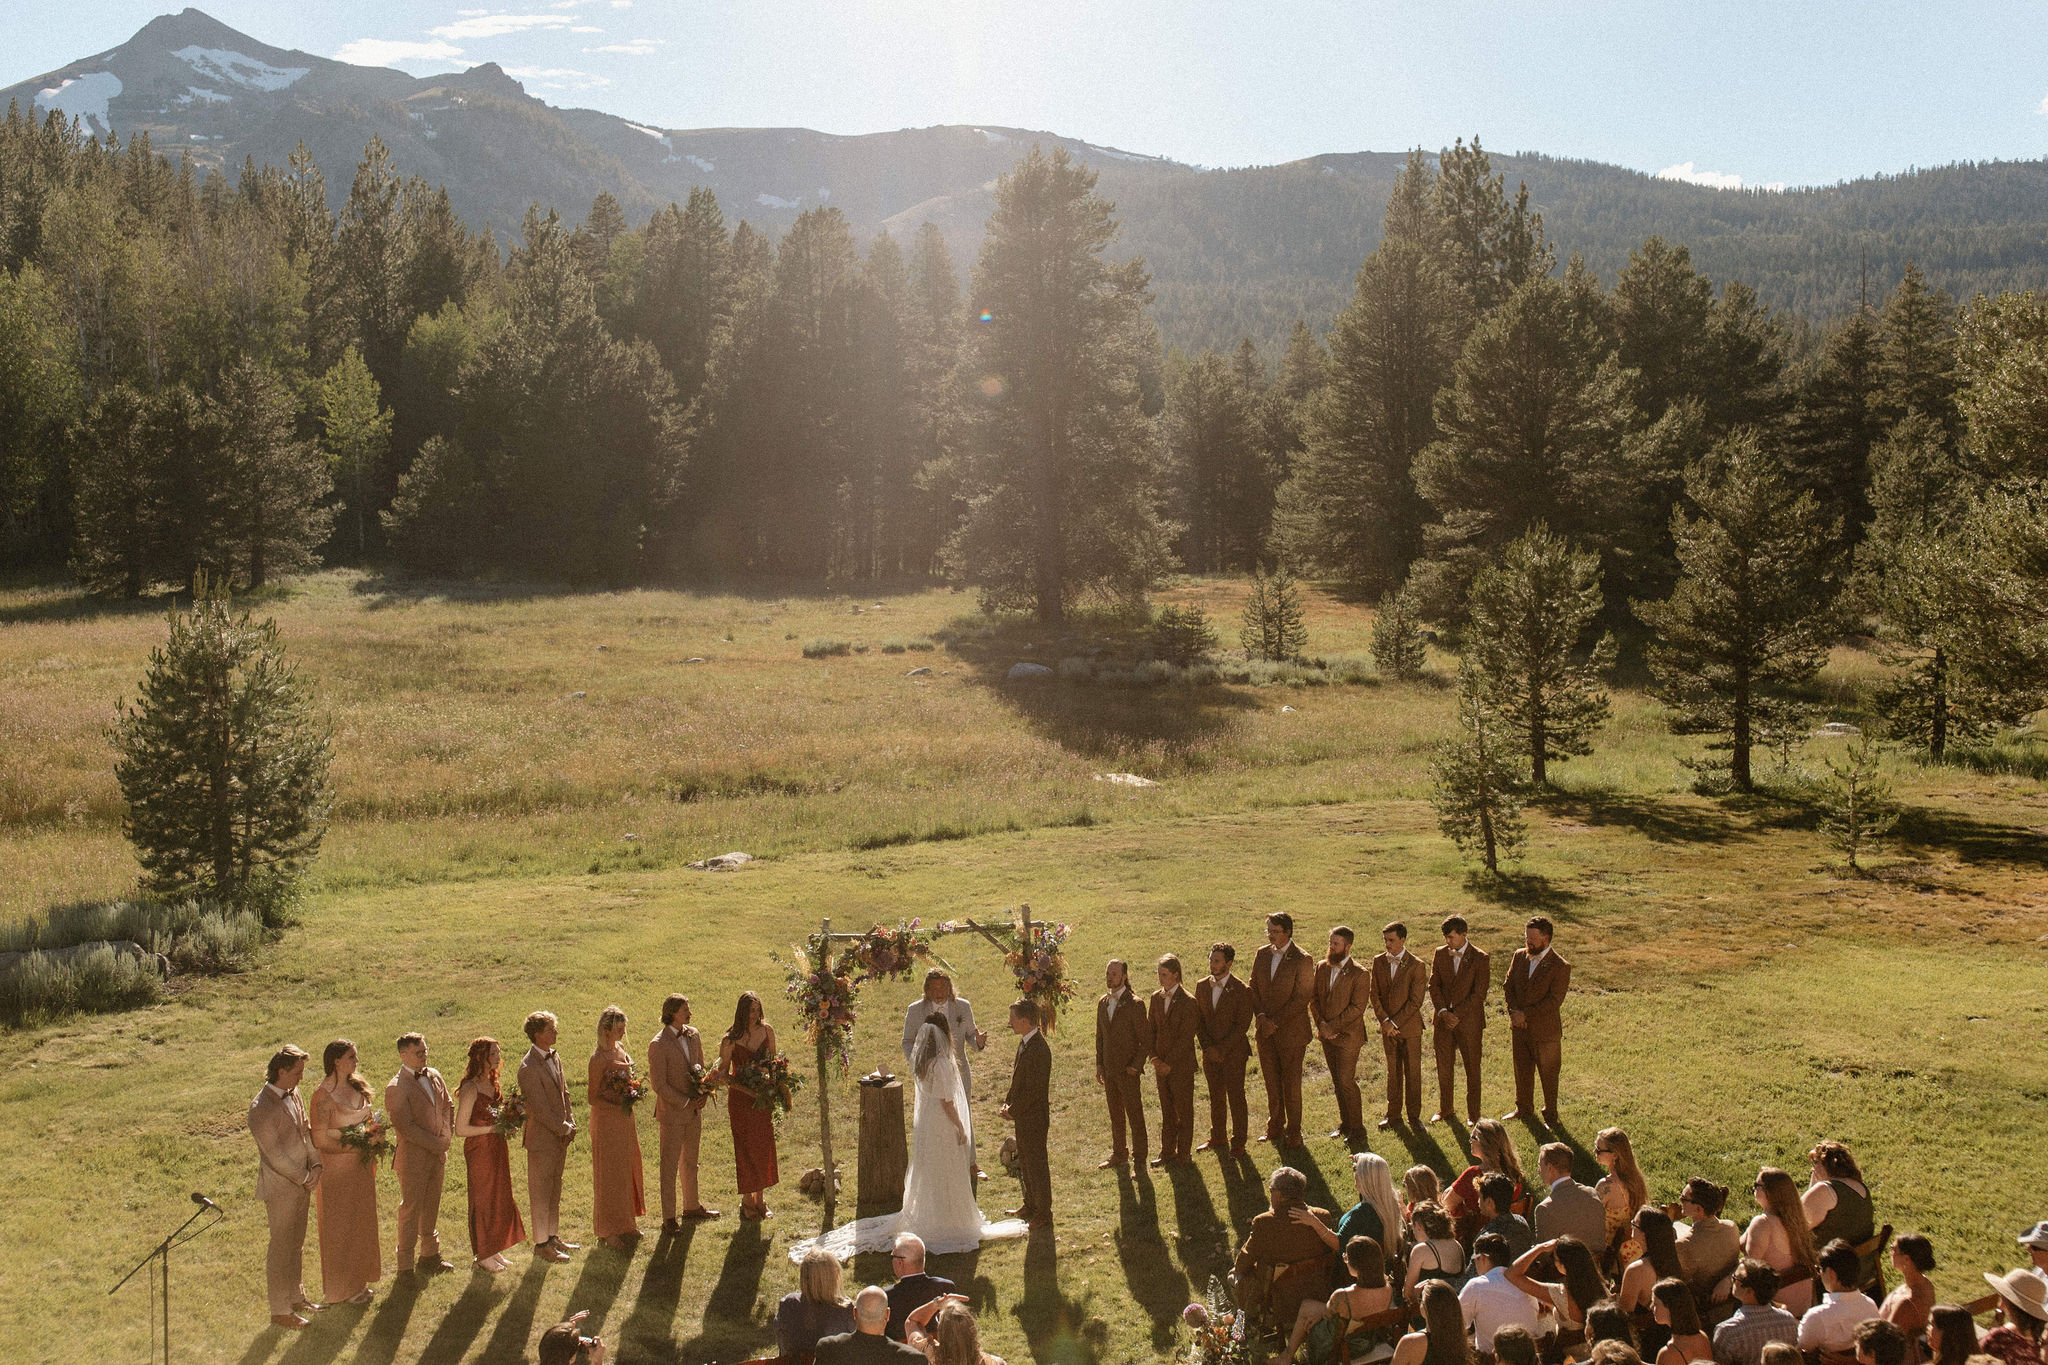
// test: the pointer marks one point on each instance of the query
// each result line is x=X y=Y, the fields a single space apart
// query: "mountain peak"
x=189 y=27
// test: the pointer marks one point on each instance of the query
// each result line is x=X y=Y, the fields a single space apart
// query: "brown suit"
x=1275 y=1242
x=669 y=1059
x=1280 y=1000
x=1174 y=1032
x=550 y=1124
x=1538 y=1044
x=1122 y=1043
x=1030 y=1104
x=1397 y=999
x=424 y=1124
x=1462 y=992
x=1225 y=1050
x=287 y=1169
x=1342 y=993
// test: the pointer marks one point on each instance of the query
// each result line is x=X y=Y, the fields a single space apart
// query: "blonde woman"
x=945 y=1330
x=1622 y=1191
x=1376 y=1215
x=346 y=1198
x=618 y=1193
x=1780 y=1238
x=818 y=1307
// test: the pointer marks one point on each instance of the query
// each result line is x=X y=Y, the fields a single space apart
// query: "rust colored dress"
x=494 y=1222
x=617 y=1185
x=350 y=1259
x=753 y=1133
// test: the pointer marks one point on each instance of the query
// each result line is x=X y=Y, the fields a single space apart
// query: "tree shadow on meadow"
x=1924 y=829
x=1530 y=891
x=1660 y=821
x=77 y=604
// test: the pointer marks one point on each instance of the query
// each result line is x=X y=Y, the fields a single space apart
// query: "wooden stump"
x=884 y=1149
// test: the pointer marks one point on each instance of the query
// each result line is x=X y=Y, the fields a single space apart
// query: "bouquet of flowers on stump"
x=1221 y=1330
x=622 y=1086
x=371 y=1138
x=508 y=1117
x=772 y=1083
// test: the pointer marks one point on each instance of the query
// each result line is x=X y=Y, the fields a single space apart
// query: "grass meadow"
x=1734 y=998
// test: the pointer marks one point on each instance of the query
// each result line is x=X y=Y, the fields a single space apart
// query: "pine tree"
x=1273 y=626
x=1751 y=615
x=1488 y=246
x=1220 y=464
x=2002 y=368
x=115 y=475
x=1661 y=310
x=681 y=296
x=1837 y=422
x=1183 y=635
x=1477 y=781
x=221 y=762
x=1061 y=464
x=274 y=512
x=1529 y=613
x=365 y=299
x=1917 y=359
x=356 y=430
x=1398 y=649
x=1857 y=809
x=440 y=521
x=40 y=396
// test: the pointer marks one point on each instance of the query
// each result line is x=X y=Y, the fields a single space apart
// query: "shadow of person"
x=729 y=1331
x=387 y=1328
x=1058 y=1327
x=597 y=1287
x=1204 y=1243
x=512 y=1333
x=1320 y=1195
x=649 y=1332
x=1425 y=1150
x=1585 y=1167
x=1156 y=1283
x=1244 y=1190
x=461 y=1323
x=963 y=1269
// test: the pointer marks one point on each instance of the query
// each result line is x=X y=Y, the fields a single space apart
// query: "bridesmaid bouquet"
x=371 y=1138
x=509 y=1118
x=771 y=1081
x=624 y=1087
x=697 y=1083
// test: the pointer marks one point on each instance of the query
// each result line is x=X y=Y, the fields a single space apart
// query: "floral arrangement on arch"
x=1041 y=969
x=825 y=986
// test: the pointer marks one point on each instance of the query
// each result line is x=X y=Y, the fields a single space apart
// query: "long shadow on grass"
x=464 y=1319
x=1060 y=1328
x=597 y=1288
x=1205 y=1244
x=1158 y=1285
x=1244 y=1192
x=649 y=1333
x=1425 y=1150
x=1524 y=891
x=387 y=1329
x=511 y=1333
x=963 y=1268
x=729 y=1327
x=1662 y=822
x=1922 y=829
x=80 y=605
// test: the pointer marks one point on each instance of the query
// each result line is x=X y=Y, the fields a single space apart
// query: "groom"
x=1029 y=1107
x=940 y=999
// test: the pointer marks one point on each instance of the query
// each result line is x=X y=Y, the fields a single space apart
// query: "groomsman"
x=670 y=1059
x=550 y=1125
x=1170 y=1014
x=1224 y=1006
x=940 y=998
x=1283 y=979
x=1399 y=987
x=1458 y=977
x=1338 y=1006
x=1028 y=1105
x=1537 y=982
x=287 y=1169
x=422 y=1114
x=1123 y=1040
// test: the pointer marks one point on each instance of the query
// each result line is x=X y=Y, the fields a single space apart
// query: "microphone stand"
x=161 y=1253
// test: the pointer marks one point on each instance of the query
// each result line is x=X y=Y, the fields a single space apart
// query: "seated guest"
x=1880 y=1343
x=1442 y=1338
x=815 y=1309
x=565 y=1344
x=1493 y=1153
x=1575 y=1291
x=1780 y=1353
x=913 y=1288
x=2035 y=1240
x=1435 y=1254
x=1951 y=1335
x=1622 y=1191
x=1613 y=1351
x=1488 y=1301
x=1377 y=1214
x=1569 y=1209
x=1830 y=1325
x=1514 y=1346
x=1708 y=1244
x=869 y=1339
x=2022 y=1304
x=1419 y=1183
x=1606 y=1322
x=1837 y=1203
x=1280 y=1256
x=1678 y=1316
x=1757 y=1321
x=1780 y=1238
x=1496 y=1209
x=1659 y=1261
x=1907 y=1307
x=945 y=1330
x=1320 y=1327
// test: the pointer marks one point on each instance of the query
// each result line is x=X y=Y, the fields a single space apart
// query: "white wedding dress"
x=938 y=1190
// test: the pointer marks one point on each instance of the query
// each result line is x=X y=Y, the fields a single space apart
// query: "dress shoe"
x=1292 y=1140
x=1439 y=1117
x=561 y=1245
x=1158 y=1161
x=1212 y=1145
x=1016 y=1213
x=548 y=1251
x=1388 y=1122
x=361 y=1298
x=306 y=1309
x=980 y=1174
x=1514 y=1116
x=1040 y=1224
x=1339 y=1134
x=290 y=1321
x=1415 y=1120
x=671 y=1225
x=1114 y=1161
x=698 y=1213
x=1239 y=1152
x=1269 y=1137
x=1550 y=1118
x=431 y=1265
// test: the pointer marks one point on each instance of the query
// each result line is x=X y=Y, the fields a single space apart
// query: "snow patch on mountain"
x=196 y=92
x=992 y=137
x=660 y=137
x=1119 y=156
x=222 y=64
x=701 y=164
x=82 y=97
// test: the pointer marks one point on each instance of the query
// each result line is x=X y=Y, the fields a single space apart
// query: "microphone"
x=204 y=1202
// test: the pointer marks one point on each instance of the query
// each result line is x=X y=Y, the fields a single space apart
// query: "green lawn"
x=1734 y=1000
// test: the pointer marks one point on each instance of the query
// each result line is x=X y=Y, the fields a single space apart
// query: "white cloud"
x=635 y=47
x=557 y=77
x=392 y=51
x=2043 y=107
x=498 y=25
x=585 y=28
x=470 y=13
x=1713 y=180
x=628 y=4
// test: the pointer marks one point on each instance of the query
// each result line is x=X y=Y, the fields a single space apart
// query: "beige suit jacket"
x=1399 y=995
x=1540 y=997
x=669 y=1058
x=1341 y=996
x=1461 y=991
x=421 y=1124
x=285 y=1156
x=1284 y=997
x=549 y=1115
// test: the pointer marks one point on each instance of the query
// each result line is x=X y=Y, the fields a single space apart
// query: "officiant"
x=939 y=998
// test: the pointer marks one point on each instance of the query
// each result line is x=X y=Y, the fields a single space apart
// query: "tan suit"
x=1225 y=1050
x=1281 y=985
x=1459 y=990
x=425 y=1124
x=1123 y=1040
x=1175 y=1026
x=1343 y=991
x=550 y=1124
x=1277 y=1242
x=1398 y=994
x=287 y=1169
x=669 y=1059
x=1538 y=1044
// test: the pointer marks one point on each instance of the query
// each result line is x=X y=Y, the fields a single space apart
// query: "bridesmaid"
x=493 y=1216
x=617 y=1192
x=350 y=1259
x=753 y=1128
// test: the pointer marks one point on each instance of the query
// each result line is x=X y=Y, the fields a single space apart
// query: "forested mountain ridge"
x=1232 y=252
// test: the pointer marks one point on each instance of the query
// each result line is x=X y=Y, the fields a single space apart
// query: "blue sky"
x=1796 y=91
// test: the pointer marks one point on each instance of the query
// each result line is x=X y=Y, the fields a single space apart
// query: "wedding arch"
x=829 y=969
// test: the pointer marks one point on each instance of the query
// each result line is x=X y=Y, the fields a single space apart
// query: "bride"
x=938 y=1190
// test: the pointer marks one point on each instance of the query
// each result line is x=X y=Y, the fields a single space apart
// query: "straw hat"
x=2023 y=1289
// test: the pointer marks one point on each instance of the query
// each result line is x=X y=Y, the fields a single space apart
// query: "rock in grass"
x=1126 y=779
x=696 y=660
x=576 y=696
x=1019 y=671
x=918 y=673
x=629 y=838
x=1837 y=728
x=1285 y=710
x=724 y=862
